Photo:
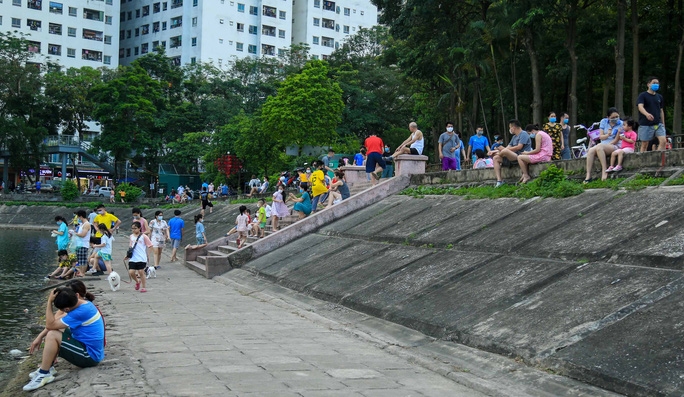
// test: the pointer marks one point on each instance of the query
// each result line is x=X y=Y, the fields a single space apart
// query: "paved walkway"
x=189 y=336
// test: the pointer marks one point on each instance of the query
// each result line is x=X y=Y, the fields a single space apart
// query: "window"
x=155 y=44
x=71 y=32
x=193 y=42
x=315 y=39
x=239 y=47
x=136 y=51
x=16 y=22
x=122 y=34
x=176 y=3
x=89 y=34
x=220 y=41
x=176 y=22
x=56 y=8
x=253 y=10
x=155 y=27
x=317 y=3
x=317 y=22
x=252 y=29
x=54 y=49
x=0 y=20
x=328 y=23
x=163 y=44
x=176 y=61
x=128 y=52
x=194 y=3
x=16 y=3
x=108 y=40
x=281 y=33
x=71 y=52
x=34 y=24
x=328 y=5
x=90 y=55
x=130 y=15
x=346 y=29
x=35 y=4
x=328 y=41
x=251 y=49
x=268 y=30
x=137 y=13
x=165 y=6
x=241 y=8
x=282 y=14
x=164 y=25
x=122 y=16
x=107 y=60
x=137 y=32
x=128 y=34
x=93 y=15
x=146 y=11
x=145 y=48
x=72 y=13
x=193 y=61
x=267 y=49
x=361 y=12
x=269 y=11
x=55 y=28
x=281 y=52
x=156 y=7
x=347 y=11
x=240 y=27
x=146 y=29
x=194 y=21
x=34 y=46
x=121 y=52
x=175 y=41
x=109 y=2
x=108 y=20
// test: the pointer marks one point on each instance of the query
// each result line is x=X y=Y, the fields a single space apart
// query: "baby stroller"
x=593 y=137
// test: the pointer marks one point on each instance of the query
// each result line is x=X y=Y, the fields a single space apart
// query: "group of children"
x=97 y=262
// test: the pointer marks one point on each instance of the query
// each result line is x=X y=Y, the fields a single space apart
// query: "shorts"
x=647 y=132
x=414 y=151
x=508 y=163
x=137 y=265
x=82 y=256
x=74 y=351
x=627 y=150
x=175 y=242
x=105 y=257
x=262 y=225
x=372 y=160
x=449 y=163
x=206 y=204
x=200 y=240
x=157 y=243
x=539 y=158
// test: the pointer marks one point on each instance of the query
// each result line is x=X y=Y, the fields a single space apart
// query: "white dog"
x=151 y=271
x=114 y=280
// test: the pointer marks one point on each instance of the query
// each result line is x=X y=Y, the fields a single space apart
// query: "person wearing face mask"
x=555 y=131
x=610 y=126
x=138 y=217
x=449 y=146
x=651 y=115
x=304 y=179
x=279 y=209
x=520 y=142
x=109 y=220
x=62 y=233
x=565 y=152
x=477 y=141
x=160 y=234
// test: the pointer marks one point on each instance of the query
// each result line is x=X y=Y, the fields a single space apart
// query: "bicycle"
x=581 y=150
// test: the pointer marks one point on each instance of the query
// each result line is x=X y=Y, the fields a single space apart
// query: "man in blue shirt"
x=75 y=333
x=176 y=225
x=520 y=142
x=477 y=141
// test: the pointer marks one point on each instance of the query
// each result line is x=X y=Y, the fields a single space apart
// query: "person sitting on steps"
x=628 y=138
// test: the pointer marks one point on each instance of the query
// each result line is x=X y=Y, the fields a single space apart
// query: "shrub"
x=132 y=192
x=69 y=190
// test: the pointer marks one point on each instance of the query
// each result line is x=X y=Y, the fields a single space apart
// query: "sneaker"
x=35 y=373
x=499 y=183
x=91 y=271
x=617 y=168
x=39 y=381
x=610 y=169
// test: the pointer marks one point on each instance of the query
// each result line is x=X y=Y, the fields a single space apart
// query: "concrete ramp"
x=588 y=286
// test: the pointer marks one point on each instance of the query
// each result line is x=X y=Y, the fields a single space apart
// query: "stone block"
x=410 y=164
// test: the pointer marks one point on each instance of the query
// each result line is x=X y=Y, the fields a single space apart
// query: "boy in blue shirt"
x=360 y=157
x=176 y=225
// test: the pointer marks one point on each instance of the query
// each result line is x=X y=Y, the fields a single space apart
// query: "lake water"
x=25 y=258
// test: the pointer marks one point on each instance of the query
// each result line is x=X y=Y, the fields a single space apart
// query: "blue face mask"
x=566 y=121
x=655 y=86
x=532 y=135
x=552 y=119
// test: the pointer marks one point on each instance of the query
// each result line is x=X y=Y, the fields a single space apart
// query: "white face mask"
x=450 y=129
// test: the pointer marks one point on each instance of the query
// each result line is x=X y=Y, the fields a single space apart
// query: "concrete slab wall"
x=588 y=286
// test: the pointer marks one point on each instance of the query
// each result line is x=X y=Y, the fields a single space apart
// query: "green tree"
x=306 y=110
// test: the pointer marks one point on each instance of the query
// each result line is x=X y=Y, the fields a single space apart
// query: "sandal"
x=143 y=290
x=587 y=181
x=137 y=286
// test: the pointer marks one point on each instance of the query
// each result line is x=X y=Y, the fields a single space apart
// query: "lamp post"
x=126 y=179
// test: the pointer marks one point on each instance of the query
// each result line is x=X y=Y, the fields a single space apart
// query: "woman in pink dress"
x=279 y=208
x=541 y=154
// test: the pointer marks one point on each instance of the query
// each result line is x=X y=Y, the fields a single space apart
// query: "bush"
x=69 y=190
x=132 y=192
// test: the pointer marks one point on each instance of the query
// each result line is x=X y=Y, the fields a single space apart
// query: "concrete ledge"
x=354 y=174
x=410 y=164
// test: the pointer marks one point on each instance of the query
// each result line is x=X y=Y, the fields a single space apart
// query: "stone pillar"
x=410 y=164
x=354 y=174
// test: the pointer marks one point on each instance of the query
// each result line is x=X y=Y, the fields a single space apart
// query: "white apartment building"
x=68 y=32
x=216 y=31
x=325 y=24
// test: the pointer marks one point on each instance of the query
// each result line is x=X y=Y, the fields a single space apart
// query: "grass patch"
x=642 y=181
x=676 y=181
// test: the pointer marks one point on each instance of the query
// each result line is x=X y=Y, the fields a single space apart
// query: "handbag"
x=129 y=253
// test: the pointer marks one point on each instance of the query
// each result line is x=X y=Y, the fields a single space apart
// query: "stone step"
x=227 y=249
x=198 y=267
x=216 y=253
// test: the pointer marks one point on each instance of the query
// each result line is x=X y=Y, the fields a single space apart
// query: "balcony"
x=267 y=50
x=90 y=55
x=56 y=8
x=269 y=11
x=329 y=5
x=55 y=28
x=54 y=49
x=34 y=46
x=93 y=15
x=175 y=42
x=328 y=24
x=35 y=4
x=176 y=3
x=92 y=35
x=34 y=25
x=268 y=31
x=176 y=22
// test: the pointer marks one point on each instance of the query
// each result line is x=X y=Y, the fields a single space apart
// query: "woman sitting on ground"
x=482 y=160
x=339 y=190
x=609 y=128
x=628 y=138
x=302 y=204
x=542 y=152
